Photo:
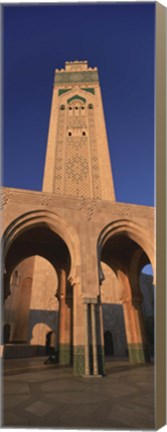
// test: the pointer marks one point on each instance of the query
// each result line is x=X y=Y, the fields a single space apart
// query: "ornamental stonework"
x=76 y=77
x=94 y=156
x=76 y=163
x=59 y=162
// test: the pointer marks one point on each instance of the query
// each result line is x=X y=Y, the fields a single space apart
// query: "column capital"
x=73 y=281
x=90 y=300
x=127 y=300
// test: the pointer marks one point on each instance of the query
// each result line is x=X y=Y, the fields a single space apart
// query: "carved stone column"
x=94 y=340
x=64 y=346
x=100 y=339
x=91 y=340
x=79 y=323
x=87 y=359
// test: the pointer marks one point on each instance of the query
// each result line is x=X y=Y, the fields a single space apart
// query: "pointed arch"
x=56 y=224
x=132 y=230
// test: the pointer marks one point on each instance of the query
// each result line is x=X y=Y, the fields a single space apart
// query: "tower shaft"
x=77 y=157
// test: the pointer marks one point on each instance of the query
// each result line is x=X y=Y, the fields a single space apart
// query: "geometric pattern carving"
x=79 y=122
x=77 y=168
x=76 y=77
x=76 y=160
x=94 y=156
x=87 y=208
x=77 y=173
x=5 y=196
x=59 y=161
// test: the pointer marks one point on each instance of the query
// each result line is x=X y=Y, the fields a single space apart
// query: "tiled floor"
x=38 y=395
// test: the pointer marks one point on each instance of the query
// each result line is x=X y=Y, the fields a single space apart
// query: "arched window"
x=62 y=107
x=90 y=106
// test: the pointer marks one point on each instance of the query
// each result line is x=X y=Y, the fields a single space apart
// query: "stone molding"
x=89 y=300
x=86 y=205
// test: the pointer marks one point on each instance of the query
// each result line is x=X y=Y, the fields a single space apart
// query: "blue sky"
x=118 y=38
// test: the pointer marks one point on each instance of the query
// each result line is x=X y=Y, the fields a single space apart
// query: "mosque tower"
x=77 y=157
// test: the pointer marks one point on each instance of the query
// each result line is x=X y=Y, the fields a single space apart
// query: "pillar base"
x=92 y=376
x=138 y=353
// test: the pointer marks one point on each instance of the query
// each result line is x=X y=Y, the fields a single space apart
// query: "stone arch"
x=126 y=245
x=55 y=223
x=132 y=230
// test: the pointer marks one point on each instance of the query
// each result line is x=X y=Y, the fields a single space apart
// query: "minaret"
x=77 y=157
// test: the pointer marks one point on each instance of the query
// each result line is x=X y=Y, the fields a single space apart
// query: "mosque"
x=73 y=256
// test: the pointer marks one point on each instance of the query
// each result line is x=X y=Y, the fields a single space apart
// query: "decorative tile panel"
x=76 y=77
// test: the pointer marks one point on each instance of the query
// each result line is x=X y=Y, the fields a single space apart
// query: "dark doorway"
x=108 y=343
x=49 y=348
x=6 y=334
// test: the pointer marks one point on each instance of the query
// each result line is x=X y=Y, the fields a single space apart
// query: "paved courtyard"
x=38 y=395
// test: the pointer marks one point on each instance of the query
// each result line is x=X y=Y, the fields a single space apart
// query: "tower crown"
x=76 y=65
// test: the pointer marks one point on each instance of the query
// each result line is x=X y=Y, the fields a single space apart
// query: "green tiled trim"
x=90 y=90
x=76 y=97
x=65 y=354
x=61 y=91
x=79 y=360
x=73 y=77
x=138 y=353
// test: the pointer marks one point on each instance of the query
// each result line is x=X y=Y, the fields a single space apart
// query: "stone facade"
x=76 y=237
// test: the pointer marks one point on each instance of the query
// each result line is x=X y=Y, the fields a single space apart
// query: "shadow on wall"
x=50 y=343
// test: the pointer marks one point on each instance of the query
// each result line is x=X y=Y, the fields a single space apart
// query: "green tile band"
x=65 y=354
x=73 y=77
x=79 y=360
x=138 y=353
